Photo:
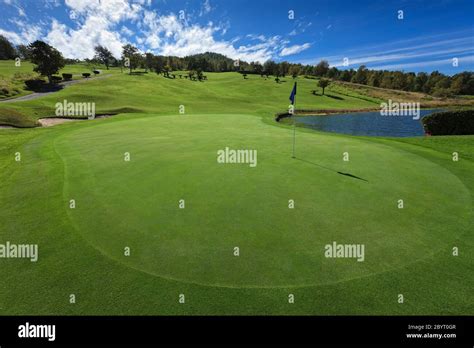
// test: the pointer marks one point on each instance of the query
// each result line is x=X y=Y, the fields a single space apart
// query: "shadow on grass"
x=334 y=96
x=44 y=88
x=332 y=170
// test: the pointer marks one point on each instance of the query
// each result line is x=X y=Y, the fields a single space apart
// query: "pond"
x=367 y=123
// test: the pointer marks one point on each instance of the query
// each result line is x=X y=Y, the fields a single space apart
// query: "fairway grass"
x=191 y=251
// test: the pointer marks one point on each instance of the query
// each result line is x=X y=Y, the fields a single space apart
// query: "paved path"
x=33 y=96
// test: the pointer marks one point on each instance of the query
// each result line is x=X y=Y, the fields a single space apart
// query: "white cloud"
x=80 y=43
x=21 y=12
x=109 y=23
x=25 y=34
x=126 y=31
x=168 y=35
x=112 y=10
x=205 y=8
x=52 y=3
x=438 y=62
x=96 y=21
x=288 y=51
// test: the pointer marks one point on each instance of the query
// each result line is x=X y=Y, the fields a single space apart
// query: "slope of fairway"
x=135 y=204
x=157 y=95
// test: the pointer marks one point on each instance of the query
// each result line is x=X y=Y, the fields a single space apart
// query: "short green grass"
x=190 y=251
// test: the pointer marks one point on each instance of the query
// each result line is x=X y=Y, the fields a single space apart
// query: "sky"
x=408 y=35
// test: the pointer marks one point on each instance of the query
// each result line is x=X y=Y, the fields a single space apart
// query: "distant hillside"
x=424 y=99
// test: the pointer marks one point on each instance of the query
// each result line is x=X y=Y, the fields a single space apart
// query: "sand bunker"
x=52 y=121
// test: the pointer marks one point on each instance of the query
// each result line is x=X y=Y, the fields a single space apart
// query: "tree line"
x=434 y=83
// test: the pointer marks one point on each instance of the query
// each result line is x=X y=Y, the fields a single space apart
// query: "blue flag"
x=293 y=94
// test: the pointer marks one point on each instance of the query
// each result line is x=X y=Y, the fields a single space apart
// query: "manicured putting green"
x=135 y=204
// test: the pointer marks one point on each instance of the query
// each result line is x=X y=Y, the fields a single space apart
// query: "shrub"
x=34 y=84
x=67 y=77
x=4 y=91
x=56 y=79
x=23 y=76
x=455 y=122
x=86 y=75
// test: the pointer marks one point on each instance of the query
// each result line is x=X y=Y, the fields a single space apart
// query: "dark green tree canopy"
x=47 y=59
x=7 y=51
x=103 y=55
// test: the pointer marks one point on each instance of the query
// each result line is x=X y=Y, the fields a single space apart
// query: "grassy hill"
x=152 y=93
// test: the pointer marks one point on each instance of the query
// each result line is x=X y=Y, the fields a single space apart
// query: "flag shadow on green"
x=332 y=170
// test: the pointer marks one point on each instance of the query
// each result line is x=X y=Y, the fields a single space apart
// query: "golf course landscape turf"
x=135 y=204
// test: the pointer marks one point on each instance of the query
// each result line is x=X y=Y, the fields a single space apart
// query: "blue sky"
x=430 y=36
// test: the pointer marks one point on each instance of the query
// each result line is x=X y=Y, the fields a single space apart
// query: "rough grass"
x=426 y=100
x=11 y=117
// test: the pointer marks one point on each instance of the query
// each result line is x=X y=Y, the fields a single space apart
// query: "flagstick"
x=294 y=126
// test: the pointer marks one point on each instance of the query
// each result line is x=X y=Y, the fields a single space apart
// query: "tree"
x=399 y=80
x=103 y=55
x=346 y=76
x=7 y=51
x=333 y=73
x=294 y=71
x=23 y=52
x=158 y=64
x=166 y=70
x=199 y=74
x=283 y=68
x=131 y=57
x=323 y=83
x=374 y=79
x=149 y=61
x=270 y=67
x=420 y=81
x=47 y=59
x=386 y=81
x=361 y=75
x=92 y=64
x=322 y=68
x=257 y=67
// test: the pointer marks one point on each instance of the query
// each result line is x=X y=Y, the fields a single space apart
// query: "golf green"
x=135 y=204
